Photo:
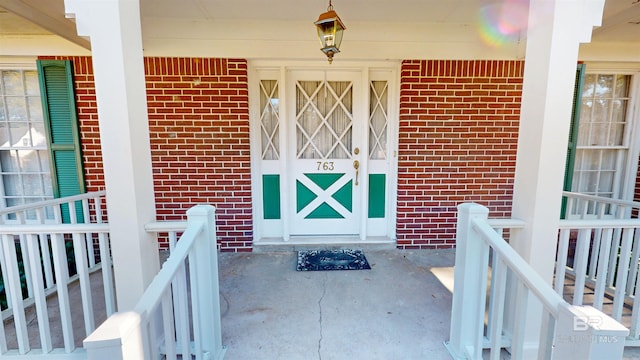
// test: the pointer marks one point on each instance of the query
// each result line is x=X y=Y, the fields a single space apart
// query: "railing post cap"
x=473 y=208
x=111 y=332
x=601 y=323
x=201 y=210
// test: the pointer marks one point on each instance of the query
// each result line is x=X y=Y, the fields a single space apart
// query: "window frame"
x=70 y=123
x=628 y=168
x=23 y=67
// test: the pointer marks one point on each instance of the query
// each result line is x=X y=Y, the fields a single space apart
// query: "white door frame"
x=276 y=230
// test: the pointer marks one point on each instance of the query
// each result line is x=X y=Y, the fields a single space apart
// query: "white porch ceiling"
x=376 y=29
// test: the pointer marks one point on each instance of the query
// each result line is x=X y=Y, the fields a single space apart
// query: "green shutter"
x=61 y=123
x=573 y=136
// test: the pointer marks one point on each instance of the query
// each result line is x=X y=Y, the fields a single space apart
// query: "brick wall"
x=199 y=126
x=199 y=130
x=457 y=142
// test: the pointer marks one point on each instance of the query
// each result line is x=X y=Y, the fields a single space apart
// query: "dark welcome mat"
x=317 y=260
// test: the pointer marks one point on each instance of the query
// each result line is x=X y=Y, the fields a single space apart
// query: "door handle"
x=356 y=165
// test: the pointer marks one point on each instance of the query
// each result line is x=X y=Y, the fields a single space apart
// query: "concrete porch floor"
x=397 y=310
x=400 y=309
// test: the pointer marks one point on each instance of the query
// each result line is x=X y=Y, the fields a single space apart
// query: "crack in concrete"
x=324 y=291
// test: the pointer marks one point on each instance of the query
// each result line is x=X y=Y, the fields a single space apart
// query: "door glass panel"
x=270 y=119
x=324 y=119
x=378 y=110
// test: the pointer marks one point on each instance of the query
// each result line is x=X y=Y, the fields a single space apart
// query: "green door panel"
x=324 y=211
x=304 y=196
x=324 y=180
x=345 y=196
x=376 y=195
x=271 y=196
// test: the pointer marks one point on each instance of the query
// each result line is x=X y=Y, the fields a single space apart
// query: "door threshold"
x=296 y=243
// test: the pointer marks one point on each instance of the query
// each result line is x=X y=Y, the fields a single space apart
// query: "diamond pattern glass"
x=270 y=119
x=378 y=120
x=324 y=119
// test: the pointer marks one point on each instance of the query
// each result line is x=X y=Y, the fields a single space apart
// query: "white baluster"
x=623 y=271
x=45 y=249
x=62 y=276
x=168 y=326
x=580 y=264
x=603 y=266
x=13 y=276
x=498 y=291
x=561 y=260
x=86 y=214
x=33 y=250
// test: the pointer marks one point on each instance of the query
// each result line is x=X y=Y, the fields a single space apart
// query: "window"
x=39 y=140
x=601 y=144
x=25 y=174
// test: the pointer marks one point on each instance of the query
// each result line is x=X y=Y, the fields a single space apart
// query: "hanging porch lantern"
x=330 y=29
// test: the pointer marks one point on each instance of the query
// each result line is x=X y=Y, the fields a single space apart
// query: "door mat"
x=344 y=259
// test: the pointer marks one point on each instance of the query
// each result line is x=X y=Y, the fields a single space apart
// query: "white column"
x=116 y=42
x=555 y=30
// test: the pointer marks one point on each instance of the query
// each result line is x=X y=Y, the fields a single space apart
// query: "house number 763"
x=326 y=166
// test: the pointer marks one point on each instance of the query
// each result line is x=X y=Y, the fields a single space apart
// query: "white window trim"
x=630 y=168
x=21 y=64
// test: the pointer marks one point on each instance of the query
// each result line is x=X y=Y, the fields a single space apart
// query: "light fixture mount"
x=330 y=29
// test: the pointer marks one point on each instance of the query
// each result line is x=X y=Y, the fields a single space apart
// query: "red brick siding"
x=199 y=126
x=199 y=130
x=457 y=143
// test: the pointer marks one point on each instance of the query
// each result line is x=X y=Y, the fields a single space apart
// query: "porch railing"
x=167 y=321
x=567 y=331
x=598 y=259
x=582 y=206
x=46 y=248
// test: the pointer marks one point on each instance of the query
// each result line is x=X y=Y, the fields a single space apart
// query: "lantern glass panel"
x=338 y=38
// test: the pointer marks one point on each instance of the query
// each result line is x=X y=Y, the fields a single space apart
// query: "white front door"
x=326 y=126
